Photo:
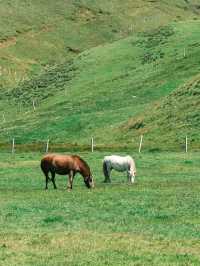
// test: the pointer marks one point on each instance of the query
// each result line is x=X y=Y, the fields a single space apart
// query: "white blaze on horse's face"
x=89 y=182
x=131 y=176
x=92 y=182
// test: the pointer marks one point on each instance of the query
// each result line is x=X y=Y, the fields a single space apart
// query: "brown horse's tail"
x=42 y=165
x=45 y=168
x=105 y=169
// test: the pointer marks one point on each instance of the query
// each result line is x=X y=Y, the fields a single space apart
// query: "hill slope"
x=36 y=34
x=102 y=88
x=173 y=118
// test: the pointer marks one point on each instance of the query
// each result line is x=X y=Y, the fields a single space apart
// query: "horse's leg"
x=107 y=179
x=70 y=180
x=53 y=179
x=47 y=180
x=128 y=176
x=107 y=173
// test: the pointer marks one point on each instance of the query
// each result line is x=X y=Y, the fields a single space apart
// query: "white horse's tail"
x=105 y=169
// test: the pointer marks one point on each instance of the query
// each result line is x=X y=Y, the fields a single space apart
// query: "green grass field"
x=113 y=70
x=153 y=222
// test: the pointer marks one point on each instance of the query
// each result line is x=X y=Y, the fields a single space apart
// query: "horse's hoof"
x=106 y=182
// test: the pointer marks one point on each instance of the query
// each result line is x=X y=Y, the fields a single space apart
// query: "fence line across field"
x=90 y=145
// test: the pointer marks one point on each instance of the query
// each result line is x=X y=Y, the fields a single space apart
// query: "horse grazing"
x=66 y=165
x=120 y=164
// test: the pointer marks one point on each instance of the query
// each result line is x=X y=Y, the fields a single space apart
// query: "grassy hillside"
x=95 y=69
x=36 y=34
x=173 y=118
x=102 y=88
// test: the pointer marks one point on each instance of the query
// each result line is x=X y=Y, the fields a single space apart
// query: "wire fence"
x=139 y=145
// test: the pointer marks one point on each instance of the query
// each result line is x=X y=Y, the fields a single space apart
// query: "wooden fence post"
x=186 y=144
x=4 y=119
x=47 y=146
x=140 y=146
x=92 y=144
x=13 y=145
x=33 y=105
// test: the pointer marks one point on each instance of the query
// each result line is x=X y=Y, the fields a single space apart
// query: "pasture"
x=155 y=221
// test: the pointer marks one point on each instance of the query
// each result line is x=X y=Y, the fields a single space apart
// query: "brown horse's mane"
x=84 y=162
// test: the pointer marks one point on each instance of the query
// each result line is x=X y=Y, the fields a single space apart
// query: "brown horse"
x=66 y=165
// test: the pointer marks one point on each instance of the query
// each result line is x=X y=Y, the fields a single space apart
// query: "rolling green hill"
x=37 y=34
x=106 y=86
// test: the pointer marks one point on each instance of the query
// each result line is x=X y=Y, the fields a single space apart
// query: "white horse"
x=119 y=163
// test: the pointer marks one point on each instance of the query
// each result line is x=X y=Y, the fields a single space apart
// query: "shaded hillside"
x=37 y=34
x=173 y=118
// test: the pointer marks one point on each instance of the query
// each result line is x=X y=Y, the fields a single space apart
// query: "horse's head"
x=89 y=181
x=132 y=175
